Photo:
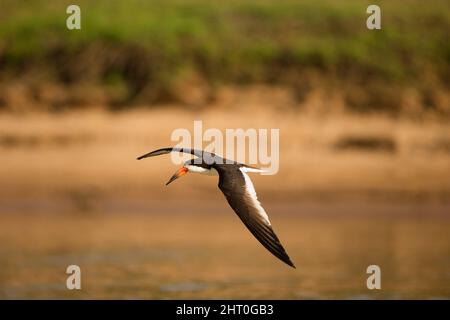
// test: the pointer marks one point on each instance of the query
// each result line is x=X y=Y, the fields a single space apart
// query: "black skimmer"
x=238 y=190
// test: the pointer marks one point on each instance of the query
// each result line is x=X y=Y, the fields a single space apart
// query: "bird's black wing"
x=207 y=157
x=240 y=194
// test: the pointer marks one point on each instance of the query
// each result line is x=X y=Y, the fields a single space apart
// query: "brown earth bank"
x=310 y=91
x=82 y=159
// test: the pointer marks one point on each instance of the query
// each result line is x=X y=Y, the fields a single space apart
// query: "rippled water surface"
x=148 y=256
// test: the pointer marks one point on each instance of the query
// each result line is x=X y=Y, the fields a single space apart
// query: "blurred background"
x=364 y=121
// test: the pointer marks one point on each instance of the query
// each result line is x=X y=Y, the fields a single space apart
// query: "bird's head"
x=191 y=166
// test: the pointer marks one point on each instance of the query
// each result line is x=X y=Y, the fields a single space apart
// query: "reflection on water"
x=159 y=256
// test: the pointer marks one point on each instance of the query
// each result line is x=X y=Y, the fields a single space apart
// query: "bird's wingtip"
x=155 y=153
x=145 y=156
x=291 y=264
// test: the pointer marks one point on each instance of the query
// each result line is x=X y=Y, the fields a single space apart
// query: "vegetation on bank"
x=146 y=52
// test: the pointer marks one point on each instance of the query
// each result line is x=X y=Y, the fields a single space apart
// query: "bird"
x=238 y=189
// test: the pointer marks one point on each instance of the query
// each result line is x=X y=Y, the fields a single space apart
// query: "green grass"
x=237 y=41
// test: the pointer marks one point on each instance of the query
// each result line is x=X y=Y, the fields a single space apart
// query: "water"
x=197 y=255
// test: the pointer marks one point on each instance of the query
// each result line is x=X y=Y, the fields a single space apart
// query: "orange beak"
x=181 y=172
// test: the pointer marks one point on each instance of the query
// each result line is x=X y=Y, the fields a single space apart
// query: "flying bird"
x=238 y=190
